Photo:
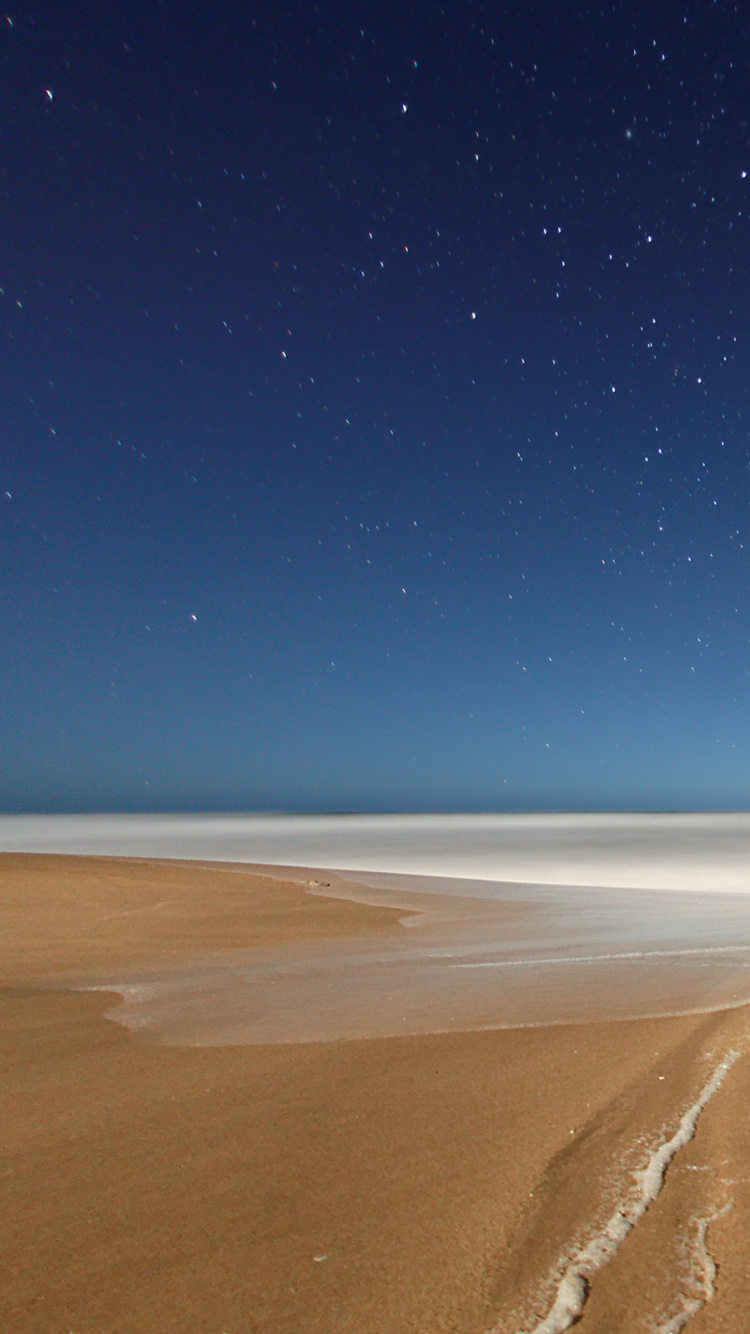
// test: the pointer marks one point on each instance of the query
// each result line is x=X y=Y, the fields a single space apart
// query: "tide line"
x=606 y=958
x=573 y=1288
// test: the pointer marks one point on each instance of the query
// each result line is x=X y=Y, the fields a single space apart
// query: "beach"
x=167 y=1172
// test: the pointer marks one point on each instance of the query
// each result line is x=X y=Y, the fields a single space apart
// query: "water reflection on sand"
x=514 y=919
x=471 y=955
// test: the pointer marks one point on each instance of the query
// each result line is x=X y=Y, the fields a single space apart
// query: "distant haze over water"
x=678 y=851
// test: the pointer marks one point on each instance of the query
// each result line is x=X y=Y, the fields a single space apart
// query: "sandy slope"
x=148 y=1188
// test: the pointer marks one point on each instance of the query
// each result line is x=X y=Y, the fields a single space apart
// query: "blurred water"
x=472 y=955
x=516 y=919
x=647 y=851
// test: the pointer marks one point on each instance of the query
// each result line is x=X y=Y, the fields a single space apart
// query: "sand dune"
x=431 y=1182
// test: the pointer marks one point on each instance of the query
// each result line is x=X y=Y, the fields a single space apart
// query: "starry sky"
x=375 y=426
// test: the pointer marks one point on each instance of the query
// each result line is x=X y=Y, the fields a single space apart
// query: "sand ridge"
x=431 y=1183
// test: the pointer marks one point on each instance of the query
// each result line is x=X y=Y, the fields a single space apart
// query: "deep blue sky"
x=375 y=425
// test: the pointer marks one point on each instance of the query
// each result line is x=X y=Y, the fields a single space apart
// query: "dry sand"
x=412 y=1184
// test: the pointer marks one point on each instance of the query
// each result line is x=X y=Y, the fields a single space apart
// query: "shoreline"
x=439 y=1181
x=682 y=851
x=480 y=957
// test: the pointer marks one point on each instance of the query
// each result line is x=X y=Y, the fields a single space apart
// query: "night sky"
x=375 y=406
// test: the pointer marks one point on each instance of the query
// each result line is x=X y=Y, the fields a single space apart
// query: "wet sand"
x=454 y=955
x=429 y=1182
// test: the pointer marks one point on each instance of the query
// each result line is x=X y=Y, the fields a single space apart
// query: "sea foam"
x=573 y=1286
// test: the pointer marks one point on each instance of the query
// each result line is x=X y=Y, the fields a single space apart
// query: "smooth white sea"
x=629 y=851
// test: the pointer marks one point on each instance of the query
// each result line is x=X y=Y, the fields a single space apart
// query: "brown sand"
x=409 y=1185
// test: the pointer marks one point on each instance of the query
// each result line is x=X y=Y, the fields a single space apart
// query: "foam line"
x=573 y=1288
x=607 y=958
x=705 y=1265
